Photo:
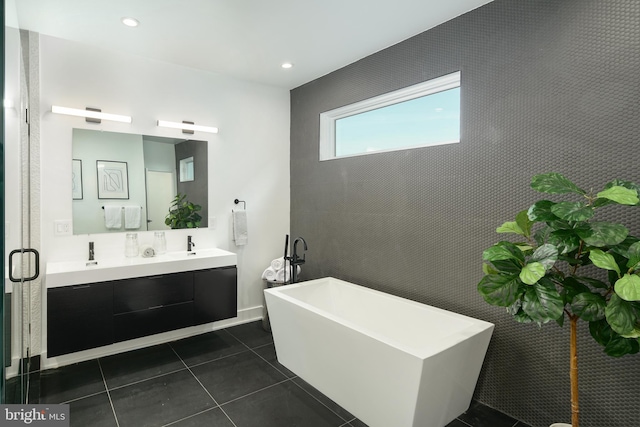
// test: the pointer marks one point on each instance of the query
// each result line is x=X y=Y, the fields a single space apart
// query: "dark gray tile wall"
x=547 y=85
x=198 y=189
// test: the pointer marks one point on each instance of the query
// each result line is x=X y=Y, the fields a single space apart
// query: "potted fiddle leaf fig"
x=566 y=263
x=183 y=213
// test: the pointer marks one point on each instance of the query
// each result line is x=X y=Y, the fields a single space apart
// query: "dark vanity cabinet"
x=212 y=303
x=150 y=305
x=79 y=317
x=87 y=316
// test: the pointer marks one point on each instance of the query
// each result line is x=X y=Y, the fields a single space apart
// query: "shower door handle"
x=21 y=251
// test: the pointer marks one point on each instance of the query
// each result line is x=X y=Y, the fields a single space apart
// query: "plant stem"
x=573 y=372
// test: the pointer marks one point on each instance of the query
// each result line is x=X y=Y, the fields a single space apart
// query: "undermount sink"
x=67 y=273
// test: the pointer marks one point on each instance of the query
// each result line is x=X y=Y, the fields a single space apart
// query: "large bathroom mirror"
x=127 y=182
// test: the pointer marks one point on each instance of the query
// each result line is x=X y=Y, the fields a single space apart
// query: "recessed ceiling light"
x=130 y=22
x=287 y=65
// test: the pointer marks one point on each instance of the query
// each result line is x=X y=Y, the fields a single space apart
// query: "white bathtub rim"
x=476 y=326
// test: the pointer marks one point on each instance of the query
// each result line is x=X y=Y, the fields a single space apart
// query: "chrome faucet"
x=91 y=252
x=190 y=244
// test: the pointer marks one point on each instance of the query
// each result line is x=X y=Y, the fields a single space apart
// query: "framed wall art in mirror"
x=113 y=180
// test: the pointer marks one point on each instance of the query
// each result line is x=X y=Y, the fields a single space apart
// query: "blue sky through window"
x=429 y=120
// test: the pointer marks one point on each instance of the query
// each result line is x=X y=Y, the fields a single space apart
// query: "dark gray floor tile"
x=213 y=417
x=71 y=382
x=207 y=347
x=126 y=368
x=268 y=352
x=324 y=399
x=521 y=424
x=283 y=405
x=479 y=415
x=235 y=376
x=457 y=423
x=159 y=401
x=94 y=411
x=251 y=334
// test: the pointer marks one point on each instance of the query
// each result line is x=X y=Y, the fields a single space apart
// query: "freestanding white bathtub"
x=389 y=361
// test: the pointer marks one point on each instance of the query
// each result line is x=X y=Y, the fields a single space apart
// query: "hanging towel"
x=113 y=217
x=132 y=217
x=269 y=274
x=240 y=235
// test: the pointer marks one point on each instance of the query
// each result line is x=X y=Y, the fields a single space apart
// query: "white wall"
x=248 y=158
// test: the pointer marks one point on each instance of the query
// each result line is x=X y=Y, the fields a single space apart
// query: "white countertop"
x=67 y=273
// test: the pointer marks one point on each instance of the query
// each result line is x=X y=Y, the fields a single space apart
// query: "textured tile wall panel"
x=547 y=85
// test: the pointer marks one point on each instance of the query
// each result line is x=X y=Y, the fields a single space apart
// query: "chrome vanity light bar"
x=90 y=114
x=187 y=126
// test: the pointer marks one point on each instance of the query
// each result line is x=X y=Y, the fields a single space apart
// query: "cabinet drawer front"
x=152 y=321
x=146 y=292
x=79 y=318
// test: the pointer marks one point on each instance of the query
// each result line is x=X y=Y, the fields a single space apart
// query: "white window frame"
x=328 y=118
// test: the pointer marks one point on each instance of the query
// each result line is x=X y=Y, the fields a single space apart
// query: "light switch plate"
x=212 y=223
x=62 y=227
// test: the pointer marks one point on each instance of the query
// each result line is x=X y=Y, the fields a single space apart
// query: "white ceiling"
x=247 y=39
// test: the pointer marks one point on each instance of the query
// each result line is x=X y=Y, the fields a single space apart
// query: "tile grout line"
x=289 y=379
x=203 y=387
x=106 y=387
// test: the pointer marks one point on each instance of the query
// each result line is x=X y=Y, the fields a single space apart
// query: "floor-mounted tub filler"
x=387 y=360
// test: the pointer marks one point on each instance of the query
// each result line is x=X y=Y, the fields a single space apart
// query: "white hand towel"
x=269 y=274
x=132 y=217
x=113 y=217
x=240 y=234
x=277 y=263
x=147 y=251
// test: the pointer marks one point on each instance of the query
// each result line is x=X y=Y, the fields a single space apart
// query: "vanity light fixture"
x=187 y=127
x=93 y=115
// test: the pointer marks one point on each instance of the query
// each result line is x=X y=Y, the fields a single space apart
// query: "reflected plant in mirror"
x=183 y=213
x=153 y=165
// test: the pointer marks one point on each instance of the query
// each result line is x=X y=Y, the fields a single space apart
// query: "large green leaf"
x=510 y=227
x=508 y=266
x=523 y=221
x=620 y=195
x=589 y=306
x=554 y=183
x=621 y=315
x=503 y=251
x=532 y=272
x=499 y=289
x=547 y=255
x=628 y=287
x=572 y=211
x=565 y=240
x=620 y=346
x=603 y=260
x=614 y=344
x=541 y=211
x=572 y=287
x=633 y=254
x=600 y=234
x=542 y=302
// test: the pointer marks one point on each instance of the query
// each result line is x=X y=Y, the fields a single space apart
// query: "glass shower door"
x=20 y=261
